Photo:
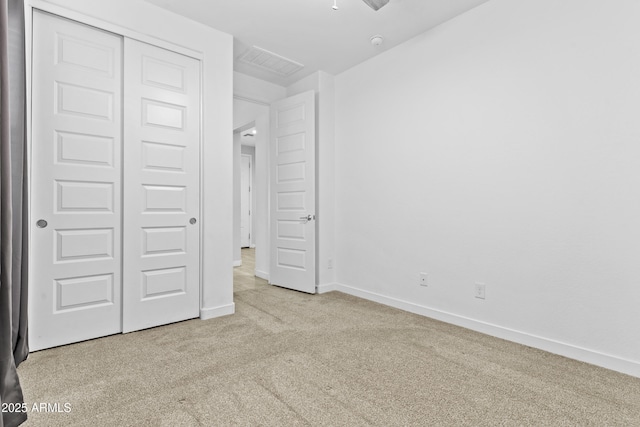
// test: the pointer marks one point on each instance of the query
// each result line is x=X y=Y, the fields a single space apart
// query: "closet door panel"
x=76 y=183
x=161 y=194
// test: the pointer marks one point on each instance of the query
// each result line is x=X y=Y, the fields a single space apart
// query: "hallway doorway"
x=244 y=278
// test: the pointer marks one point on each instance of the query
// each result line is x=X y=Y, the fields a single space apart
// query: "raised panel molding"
x=156 y=72
x=83 y=101
x=84 y=244
x=291 y=172
x=290 y=143
x=163 y=282
x=162 y=114
x=291 y=258
x=291 y=115
x=83 y=196
x=84 y=54
x=83 y=292
x=83 y=149
x=159 y=198
x=291 y=201
x=291 y=229
x=164 y=240
x=164 y=157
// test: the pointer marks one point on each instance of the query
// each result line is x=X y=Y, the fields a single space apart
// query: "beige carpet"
x=286 y=358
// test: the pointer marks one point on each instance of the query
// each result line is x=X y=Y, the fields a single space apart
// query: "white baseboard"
x=607 y=361
x=223 y=310
x=262 y=275
x=252 y=246
x=237 y=263
x=327 y=287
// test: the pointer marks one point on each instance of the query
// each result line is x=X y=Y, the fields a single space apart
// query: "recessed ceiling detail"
x=270 y=61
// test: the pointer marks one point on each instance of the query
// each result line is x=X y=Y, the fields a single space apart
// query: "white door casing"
x=292 y=190
x=161 y=271
x=245 y=201
x=76 y=182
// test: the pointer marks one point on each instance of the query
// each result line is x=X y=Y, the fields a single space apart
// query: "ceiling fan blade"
x=376 y=4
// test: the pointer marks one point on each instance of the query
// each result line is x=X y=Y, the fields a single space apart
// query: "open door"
x=293 y=197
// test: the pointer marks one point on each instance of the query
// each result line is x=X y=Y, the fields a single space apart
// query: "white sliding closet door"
x=115 y=184
x=76 y=181
x=161 y=192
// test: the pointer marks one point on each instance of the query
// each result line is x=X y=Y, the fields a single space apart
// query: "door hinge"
x=249 y=189
x=249 y=212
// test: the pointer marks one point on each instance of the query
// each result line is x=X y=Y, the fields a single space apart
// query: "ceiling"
x=248 y=136
x=311 y=33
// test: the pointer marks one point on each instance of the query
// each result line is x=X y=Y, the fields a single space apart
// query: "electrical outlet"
x=423 y=279
x=480 y=290
x=330 y=263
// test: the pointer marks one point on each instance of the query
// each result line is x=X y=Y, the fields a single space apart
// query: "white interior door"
x=161 y=268
x=76 y=180
x=293 y=200
x=245 y=201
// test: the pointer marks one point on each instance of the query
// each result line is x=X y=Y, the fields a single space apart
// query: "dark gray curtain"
x=13 y=209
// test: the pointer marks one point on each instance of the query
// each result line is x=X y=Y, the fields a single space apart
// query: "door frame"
x=30 y=6
x=261 y=185
x=264 y=128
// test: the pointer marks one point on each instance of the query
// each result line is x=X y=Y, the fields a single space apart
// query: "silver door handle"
x=192 y=221
x=42 y=223
x=307 y=218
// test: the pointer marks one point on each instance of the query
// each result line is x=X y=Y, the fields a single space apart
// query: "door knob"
x=307 y=218
x=42 y=223
x=192 y=221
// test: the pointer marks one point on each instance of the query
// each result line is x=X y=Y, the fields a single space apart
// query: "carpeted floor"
x=287 y=358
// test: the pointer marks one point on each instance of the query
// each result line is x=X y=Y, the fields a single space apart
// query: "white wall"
x=217 y=68
x=323 y=85
x=253 y=89
x=501 y=147
x=245 y=112
x=261 y=229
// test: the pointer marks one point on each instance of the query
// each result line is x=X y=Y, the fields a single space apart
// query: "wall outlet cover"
x=423 y=279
